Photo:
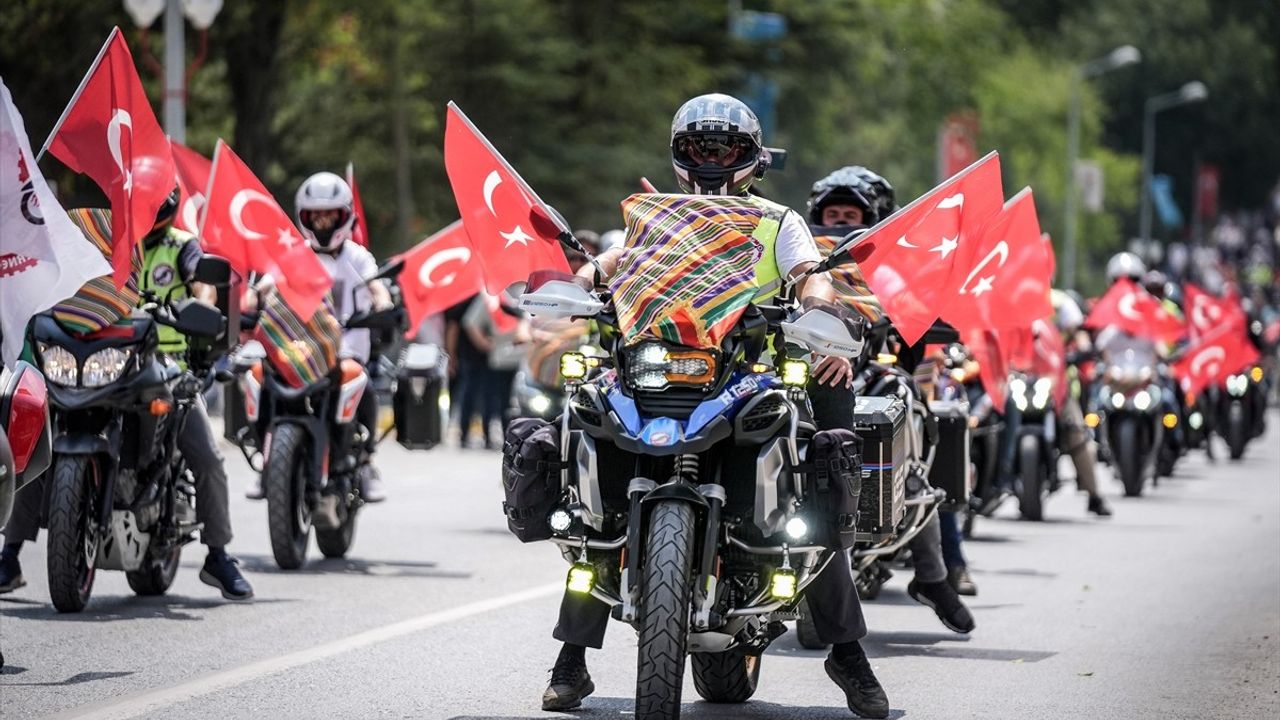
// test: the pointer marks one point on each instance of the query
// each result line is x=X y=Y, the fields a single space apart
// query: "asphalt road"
x=1171 y=609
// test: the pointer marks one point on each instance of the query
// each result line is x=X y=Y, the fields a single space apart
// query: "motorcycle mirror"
x=213 y=270
x=777 y=158
x=198 y=320
x=390 y=270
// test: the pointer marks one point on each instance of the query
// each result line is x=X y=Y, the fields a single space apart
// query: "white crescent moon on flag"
x=1213 y=354
x=459 y=254
x=1001 y=249
x=120 y=118
x=238 y=203
x=955 y=201
x=1125 y=307
x=191 y=208
x=491 y=183
x=1203 y=315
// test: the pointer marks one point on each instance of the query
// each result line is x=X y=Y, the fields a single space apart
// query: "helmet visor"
x=723 y=149
x=323 y=223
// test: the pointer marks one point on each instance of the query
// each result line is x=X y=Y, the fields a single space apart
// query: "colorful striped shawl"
x=689 y=269
x=98 y=303
x=302 y=351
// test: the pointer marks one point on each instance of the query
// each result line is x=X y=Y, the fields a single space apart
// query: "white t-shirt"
x=349 y=270
x=795 y=244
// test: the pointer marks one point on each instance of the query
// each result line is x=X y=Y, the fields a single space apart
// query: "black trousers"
x=833 y=599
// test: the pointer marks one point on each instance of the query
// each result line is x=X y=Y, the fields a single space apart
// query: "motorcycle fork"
x=705 y=591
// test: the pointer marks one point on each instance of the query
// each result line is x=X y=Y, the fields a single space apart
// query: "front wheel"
x=73 y=540
x=284 y=477
x=1237 y=433
x=156 y=574
x=807 y=629
x=336 y=542
x=726 y=677
x=1129 y=460
x=1031 y=479
x=664 y=627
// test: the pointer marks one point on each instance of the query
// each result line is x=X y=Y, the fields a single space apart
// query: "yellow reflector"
x=795 y=373
x=1170 y=420
x=1092 y=420
x=783 y=584
x=573 y=366
x=886 y=358
x=582 y=577
x=1256 y=374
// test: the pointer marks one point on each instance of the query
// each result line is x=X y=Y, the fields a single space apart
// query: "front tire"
x=156 y=574
x=73 y=542
x=284 y=478
x=1237 y=434
x=1129 y=460
x=664 y=628
x=807 y=630
x=1030 y=493
x=726 y=677
x=336 y=542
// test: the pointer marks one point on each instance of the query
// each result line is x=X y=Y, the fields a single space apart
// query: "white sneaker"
x=255 y=491
x=372 y=489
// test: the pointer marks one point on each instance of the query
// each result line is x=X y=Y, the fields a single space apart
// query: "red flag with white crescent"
x=360 y=233
x=1130 y=308
x=908 y=259
x=993 y=364
x=193 y=179
x=439 y=272
x=109 y=132
x=497 y=207
x=1206 y=312
x=244 y=224
x=1215 y=356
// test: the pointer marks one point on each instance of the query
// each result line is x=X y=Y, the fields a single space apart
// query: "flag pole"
x=83 y=81
x=208 y=189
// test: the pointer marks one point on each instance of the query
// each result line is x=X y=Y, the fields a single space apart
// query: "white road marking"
x=151 y=700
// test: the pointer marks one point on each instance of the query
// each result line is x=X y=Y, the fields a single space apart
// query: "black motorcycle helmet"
x=717 y=146
x=886 y=204
x=843 y=187
x=164 y=218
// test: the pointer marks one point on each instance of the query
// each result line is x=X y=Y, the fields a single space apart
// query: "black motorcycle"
x=120 y=496
x=1242 y=406
x=1036 y=458
x=1128 y=404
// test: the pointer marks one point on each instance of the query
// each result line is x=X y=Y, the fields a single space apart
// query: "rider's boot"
x=372 y=489
x=1098 y=506
x=220 y=571
x=946 y=604
x=961 y=582
x=848 y=666
x=10 y=569
x=570 y=681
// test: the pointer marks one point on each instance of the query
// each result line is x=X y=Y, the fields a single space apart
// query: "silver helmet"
x=717 y=146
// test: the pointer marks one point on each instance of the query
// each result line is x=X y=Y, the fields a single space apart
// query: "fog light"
x=1170 y=421
x=1196 y=421
x=539 y=404
x=887 y=359
x=783 y=584
x=1142 y=400
x=582 y=577
x=759 y=368
x=1256 y=374
x=560 y=520
x=797 y=528
x=1092 y=420
x=795 y=373
x=573 y=366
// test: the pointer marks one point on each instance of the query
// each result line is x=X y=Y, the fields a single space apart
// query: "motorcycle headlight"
x=1020 y=401
x=105 y=367
x=1195 y=421
x=539 y=403
x=1017 y=386
x=1142 y=400
x=1117 y=400
x=1043 y=387
x=58 y=365
x=1040 y=401
x=1237 y=385
x=652 y=366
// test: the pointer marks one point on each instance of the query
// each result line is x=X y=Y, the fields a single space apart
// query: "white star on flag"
x=518 y=235
x=984 y=285
x=286 y=239
x=945 y=247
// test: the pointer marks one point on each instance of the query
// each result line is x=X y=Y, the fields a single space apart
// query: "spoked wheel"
x=157 y=572
x=1031 y=479
x=73 y=537
x=285 y=479
x=664 y=626
x=806 y=629
x=726 y=677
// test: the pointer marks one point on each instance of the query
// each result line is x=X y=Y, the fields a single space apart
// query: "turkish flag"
x=109 y=133
x=908 y=259
x=439 y=272
x=1002 y=279
x=1215 y=356
x=360 y=233
x=1040 y=351
x=193 y=182
x=496 y=206
x=1129 y=307
x=1206 y=312
x=244 y=224
x=993 y=363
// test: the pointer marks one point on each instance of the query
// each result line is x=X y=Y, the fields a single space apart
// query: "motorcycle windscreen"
x=301 y=351
x=689 y=268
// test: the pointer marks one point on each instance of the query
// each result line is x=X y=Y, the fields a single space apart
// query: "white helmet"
x=1126 y=265
x=611 y=239
x=325 y=211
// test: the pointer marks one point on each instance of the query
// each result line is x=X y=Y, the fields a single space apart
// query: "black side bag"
x=530 y=477
x=834 y=482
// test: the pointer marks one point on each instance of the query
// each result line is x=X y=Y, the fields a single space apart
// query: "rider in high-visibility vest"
x=717 y=149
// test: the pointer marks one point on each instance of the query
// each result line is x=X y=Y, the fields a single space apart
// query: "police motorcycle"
x=1128 y=406
x=687 y=486
x=302 y=432
x=120 y=496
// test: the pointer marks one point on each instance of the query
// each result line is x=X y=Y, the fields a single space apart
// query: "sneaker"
x=220 y=571
x=10 y=573
x=570 y=683
x=946 y=604
x=959 y=579
x=372 y=489
x=1098 y=506
x=854 y=676
x=255 y=491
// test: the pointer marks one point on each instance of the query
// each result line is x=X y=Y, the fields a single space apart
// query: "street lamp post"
x=1121 y=56
x=176 y=73
x=1194 y=91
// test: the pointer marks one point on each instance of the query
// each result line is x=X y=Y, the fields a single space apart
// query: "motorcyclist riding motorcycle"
x=169 y=261
x=852 y=196
x=717 y=149
x=325 y=214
